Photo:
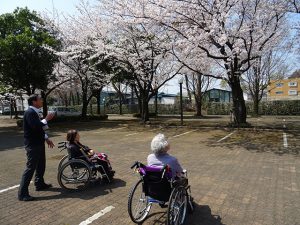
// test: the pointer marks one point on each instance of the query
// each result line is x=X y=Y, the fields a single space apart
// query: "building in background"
x=218 y=95
x=164 y=99
x=286 y=89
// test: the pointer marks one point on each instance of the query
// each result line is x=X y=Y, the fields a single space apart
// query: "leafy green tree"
x=25 y=64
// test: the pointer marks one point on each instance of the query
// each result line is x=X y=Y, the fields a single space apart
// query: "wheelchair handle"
x=134 y=165
x=62 y=145
x=137 y=164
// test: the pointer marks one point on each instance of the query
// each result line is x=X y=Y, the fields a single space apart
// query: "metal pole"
x=181 y=108
x=120 y=99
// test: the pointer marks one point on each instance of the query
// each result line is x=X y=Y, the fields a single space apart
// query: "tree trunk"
x=256 y=104
x=132 y=98
x=84 y=104
x=145 y=110
x=198 y=95
x=98 y=100
x=239 y=106
x=198 y=106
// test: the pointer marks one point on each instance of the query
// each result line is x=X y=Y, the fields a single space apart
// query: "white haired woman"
x=160 y=156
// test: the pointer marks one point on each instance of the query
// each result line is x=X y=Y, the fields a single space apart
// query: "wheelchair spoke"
x=138 y=204
x=178 y=205
x=75 y=175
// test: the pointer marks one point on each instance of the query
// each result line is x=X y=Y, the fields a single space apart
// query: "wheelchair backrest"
x=157 y=182
x=77 y=155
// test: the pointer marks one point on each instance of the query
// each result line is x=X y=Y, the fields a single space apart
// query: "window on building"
x=293 y=92
x=293 y=84
x=279 y=85
x=279 y=92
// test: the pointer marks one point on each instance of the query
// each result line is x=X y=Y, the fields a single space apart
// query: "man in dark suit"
x=34 y=140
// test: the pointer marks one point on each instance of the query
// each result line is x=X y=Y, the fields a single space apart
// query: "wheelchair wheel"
x=74 y=175
x=63 y=161
x=138 y=204
x=178 y=204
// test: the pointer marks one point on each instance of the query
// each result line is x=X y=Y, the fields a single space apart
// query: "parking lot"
x=238 y=177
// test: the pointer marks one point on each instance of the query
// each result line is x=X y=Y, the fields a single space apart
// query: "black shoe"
x=43 y=187
x=26 y=198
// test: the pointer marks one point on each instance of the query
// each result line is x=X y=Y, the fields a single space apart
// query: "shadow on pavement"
x=12 y=137
x=201 y=216
x=260 y=142
x=93 y=191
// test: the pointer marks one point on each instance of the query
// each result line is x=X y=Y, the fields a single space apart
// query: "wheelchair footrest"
x=152 y=200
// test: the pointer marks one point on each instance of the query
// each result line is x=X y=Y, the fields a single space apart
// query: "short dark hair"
x=32 y=98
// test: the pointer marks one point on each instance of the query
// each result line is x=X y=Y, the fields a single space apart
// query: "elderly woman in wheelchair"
x=82 y=164
x=162 y=180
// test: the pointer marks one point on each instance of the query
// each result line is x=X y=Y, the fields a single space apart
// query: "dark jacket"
x=34 y=135
x=75 y=150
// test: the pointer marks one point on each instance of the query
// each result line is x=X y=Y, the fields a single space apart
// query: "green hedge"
x=217 y=108
x=265 y=108
x=70 y=118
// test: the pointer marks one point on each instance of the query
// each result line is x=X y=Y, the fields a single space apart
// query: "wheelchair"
x=156 y=185
x=77 y=173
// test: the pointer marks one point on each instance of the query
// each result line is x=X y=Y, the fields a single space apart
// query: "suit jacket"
x=34 y=134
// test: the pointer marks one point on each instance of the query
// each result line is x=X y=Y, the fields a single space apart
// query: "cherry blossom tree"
x=231 y=32
x=83 y=51
x=59 y=77
x=143 y=50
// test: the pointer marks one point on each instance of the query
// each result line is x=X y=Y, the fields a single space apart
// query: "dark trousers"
x=36 y=161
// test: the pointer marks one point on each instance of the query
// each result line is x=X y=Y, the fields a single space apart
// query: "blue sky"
x=66 y=6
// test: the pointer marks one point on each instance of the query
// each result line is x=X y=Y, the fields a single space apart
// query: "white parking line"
x=10 y=188
x=178 y=135
x=154 y=129
x=285 y=143
x=97 y=132
x=97 y=215
x=140 y=132
x=227 y=136
x=131 y=134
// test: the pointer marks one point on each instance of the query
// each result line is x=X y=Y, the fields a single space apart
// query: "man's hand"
x=50 y=116
x=50 y=143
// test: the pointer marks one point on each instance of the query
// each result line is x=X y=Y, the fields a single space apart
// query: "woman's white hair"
x=159 y=144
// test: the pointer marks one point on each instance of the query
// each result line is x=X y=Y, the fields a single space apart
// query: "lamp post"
x=180 y=81
x=120 y=99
